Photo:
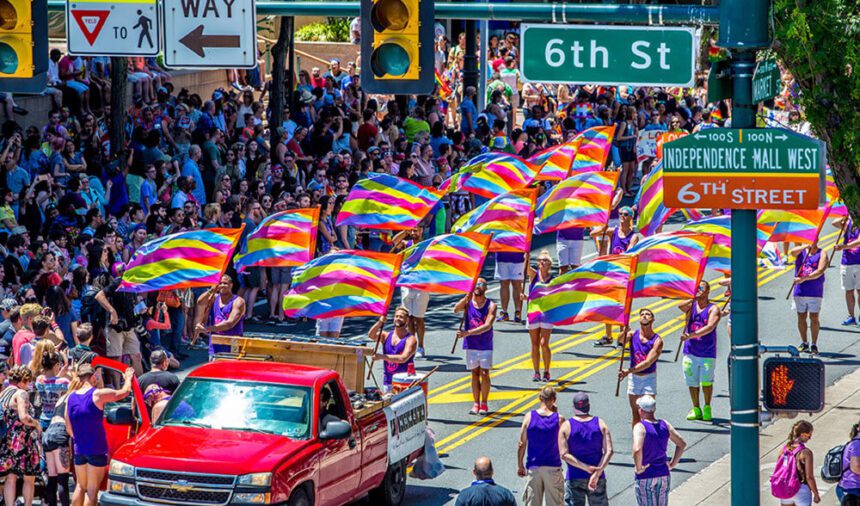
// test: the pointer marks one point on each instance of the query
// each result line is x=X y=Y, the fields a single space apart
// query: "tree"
x=118 y=81
x=277 y=97
x=819 y=43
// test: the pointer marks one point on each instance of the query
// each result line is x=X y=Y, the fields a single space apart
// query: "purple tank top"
x=394 y=349
x=537 y=281
x=219 y=314
x=87 y=424
x=509 y=257
x=705 y=346
x=851 y=256
x=585 y=442
x=475 y=318
x=654 y=449
x=542 y=435
x=619 y=244
x=571 y=234
x=805 y=265
x=639 y=351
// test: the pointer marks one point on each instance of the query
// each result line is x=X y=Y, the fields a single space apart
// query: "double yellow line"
x=529 y=401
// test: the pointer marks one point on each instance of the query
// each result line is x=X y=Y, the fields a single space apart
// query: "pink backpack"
x=785 y=481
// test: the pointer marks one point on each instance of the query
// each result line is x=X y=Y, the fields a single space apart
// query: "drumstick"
x=423 y=378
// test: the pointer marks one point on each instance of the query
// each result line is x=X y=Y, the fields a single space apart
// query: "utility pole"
x=470 y=58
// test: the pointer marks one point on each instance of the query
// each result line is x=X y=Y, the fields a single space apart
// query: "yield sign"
x=91 y=23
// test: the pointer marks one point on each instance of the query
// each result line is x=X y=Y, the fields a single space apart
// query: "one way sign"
x=210 y=33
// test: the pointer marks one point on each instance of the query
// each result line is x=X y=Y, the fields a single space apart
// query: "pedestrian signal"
x=397 y=46
x=794 y=384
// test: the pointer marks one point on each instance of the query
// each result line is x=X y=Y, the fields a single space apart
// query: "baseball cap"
x=8 y=304
x=581 y=404
x=334 y=60
x=647 y=403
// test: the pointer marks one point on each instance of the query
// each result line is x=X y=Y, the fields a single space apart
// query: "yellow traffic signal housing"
x=397 y=46
x=16 y=39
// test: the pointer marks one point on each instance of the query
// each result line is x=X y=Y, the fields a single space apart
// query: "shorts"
x=627 y=154
x=569 y=252
x=479 y=358
x=55 y=437
x=250 y=278
x=329 y=324
x=509 y=271
x=79 y=87
x=806 y=304
x=803 y=497
x=121 y=343
x=850 y=277
x=415 y=301
x=642 y=384
x=92 y=460
x=544 y=485
x=698 y=370
x=538 y=321
x=280 y=275
x=577 y=494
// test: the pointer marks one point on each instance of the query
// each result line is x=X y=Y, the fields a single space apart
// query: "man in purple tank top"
x=850 y=265
x=398 y=346
x=700 y=349
x=650 y=440
x=539 y=445
x=585 y=443
x=645 y=348
x=225 y=311
x=810 y=264
x=477 y=334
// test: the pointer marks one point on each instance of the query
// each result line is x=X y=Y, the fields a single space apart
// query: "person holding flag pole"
x=540 y=330
x=810 y=265
x=700 y=349
x=398 y=346
x=623 y=238
x=645 y=348
x=850 y=265
x=477 y=334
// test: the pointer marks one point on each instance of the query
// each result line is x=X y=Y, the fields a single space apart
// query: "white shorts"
x=569 y=252
x=806 y=304
x=803 y=497
x=479 y=358
x=506 y=271
x=415 y=301
x=329 y=324
x=850 y=277
x=642 y=384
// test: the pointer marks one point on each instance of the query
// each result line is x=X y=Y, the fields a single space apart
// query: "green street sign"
x=597 y=54
x=766 y=81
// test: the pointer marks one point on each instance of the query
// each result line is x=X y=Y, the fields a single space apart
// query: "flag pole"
x=624 y=331
x=686 y=328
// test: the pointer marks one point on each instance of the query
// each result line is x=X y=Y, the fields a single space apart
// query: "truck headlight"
x=256 y=479
x=252 y=498
x=118 y=468
x=121 y=487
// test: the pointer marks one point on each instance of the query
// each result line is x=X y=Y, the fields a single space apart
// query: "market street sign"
x=766 y=81
x=598 y=54
x=743 y=169
x=210 y=33
x=113 y=28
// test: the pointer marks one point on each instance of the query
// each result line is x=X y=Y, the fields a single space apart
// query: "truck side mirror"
x=336 y=429
x=119 y=415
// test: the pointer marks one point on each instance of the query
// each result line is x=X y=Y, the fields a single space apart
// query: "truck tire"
x=299 y=497
x=392 y=490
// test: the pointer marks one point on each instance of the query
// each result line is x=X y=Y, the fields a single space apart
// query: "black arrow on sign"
x=196 y=41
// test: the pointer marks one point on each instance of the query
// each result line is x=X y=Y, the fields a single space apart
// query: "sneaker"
x=706 y=413
x=850 y=321
x=419 y=353
x=694 y=414
x=518 y=318
x=536 y=377
x=603 y=341
x=804 y=346
x=814 y=349
x=475 y=408
x=503 y=317
x=546 y=376
x=483 y=410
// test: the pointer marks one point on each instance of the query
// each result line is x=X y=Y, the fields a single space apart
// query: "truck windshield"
x=243 y=406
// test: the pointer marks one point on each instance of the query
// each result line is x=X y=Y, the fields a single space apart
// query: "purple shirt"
x=388 y=348
x=639 y=352
x=654 y=449
x=475 y=318
x=571 y=234
x=220 y=314
x=804 y=265
x=585 y=442
x=851 y=256
x=850 y=479
x=87 y=423
x=619 y=244
x=705 y=346
x=542 y=437
x=507 y=257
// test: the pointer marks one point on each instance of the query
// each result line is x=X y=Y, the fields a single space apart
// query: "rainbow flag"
x=653 y=213
x=720 y=255
x=508 y=217
x=670 y=264
x=594 y=148
x=834 y=199
x=449 y=263
x=474 y=164
x=445 y=90
x=283 y=239
x=188 y=259
x=500 y=175
x=582 y=200
x=598 y=291
x=555 y=161
x=343 y=283
x=387 y=202
x=800 y=225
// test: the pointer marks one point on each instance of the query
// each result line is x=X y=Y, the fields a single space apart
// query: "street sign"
x=743 y=169
x=766 y=81
x=209 y=33
x=793 y=384
x=113 y=28
x=596 y=54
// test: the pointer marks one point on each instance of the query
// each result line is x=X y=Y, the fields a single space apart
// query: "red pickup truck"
x=242 y=433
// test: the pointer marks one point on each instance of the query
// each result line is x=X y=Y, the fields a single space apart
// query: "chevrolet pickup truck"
x=242 y=433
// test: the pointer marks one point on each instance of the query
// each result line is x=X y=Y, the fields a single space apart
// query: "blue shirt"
x=190 y=169
x=468 y=107
x=17 y=180
x=485 y=493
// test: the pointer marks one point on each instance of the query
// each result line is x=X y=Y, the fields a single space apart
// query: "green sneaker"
x=706 y=414
x=695 y=414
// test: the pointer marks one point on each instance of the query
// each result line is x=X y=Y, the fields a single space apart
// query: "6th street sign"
x=743 y=169
x=210 y=33
x=595 y=54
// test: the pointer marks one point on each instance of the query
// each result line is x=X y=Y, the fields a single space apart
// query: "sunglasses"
x=480 y=284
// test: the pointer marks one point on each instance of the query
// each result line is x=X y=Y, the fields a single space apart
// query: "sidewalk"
x=842 y=408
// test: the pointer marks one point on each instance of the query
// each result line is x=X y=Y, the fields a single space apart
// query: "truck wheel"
x=299 y=498
x=393 y=487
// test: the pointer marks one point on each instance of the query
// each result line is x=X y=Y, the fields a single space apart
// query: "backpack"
x=91 y=311
x=831 y=468
x=785 y=482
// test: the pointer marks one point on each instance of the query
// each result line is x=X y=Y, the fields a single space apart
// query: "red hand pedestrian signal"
x=781 y=384
x=793 y=384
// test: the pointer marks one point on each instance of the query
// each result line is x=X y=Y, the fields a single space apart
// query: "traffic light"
x=23 y=45
x=794 y=384
x=397 y=46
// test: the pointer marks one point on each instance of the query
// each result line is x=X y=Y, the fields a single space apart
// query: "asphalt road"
x=579 y=366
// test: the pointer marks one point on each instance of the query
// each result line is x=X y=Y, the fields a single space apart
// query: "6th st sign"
x=210 y=33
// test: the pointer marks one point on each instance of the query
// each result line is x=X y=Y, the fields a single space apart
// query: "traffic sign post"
x=113 y=28
x=596 y=54
x=743 y=169
x=209 y=33
x=766 y=81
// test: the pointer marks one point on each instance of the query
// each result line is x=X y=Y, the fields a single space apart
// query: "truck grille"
x=196 y=479
x=184 y=488
x=162 y=493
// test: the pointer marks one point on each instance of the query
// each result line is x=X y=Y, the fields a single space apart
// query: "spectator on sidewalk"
x=585 y=444
x=539 y=444
x=484 y=491
x=650 y=440
x=849 y=485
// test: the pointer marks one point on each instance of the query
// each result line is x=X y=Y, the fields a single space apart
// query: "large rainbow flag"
x=343 y=283
x=582 y=200
x=449 y=263
x=383 y=201
x=509 y=218
x=801 y=225
x=594 y=148
x=834 y=199
x=474 y=164
x=720 y=255
x=598 y=291
x=500 y=175
x=188 y=259
x=283 y=239
x=555 y=162
x=670 y=264
x=653 y=213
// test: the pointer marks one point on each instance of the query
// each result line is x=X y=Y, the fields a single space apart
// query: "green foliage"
x=333 y=30
x=819 y=43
